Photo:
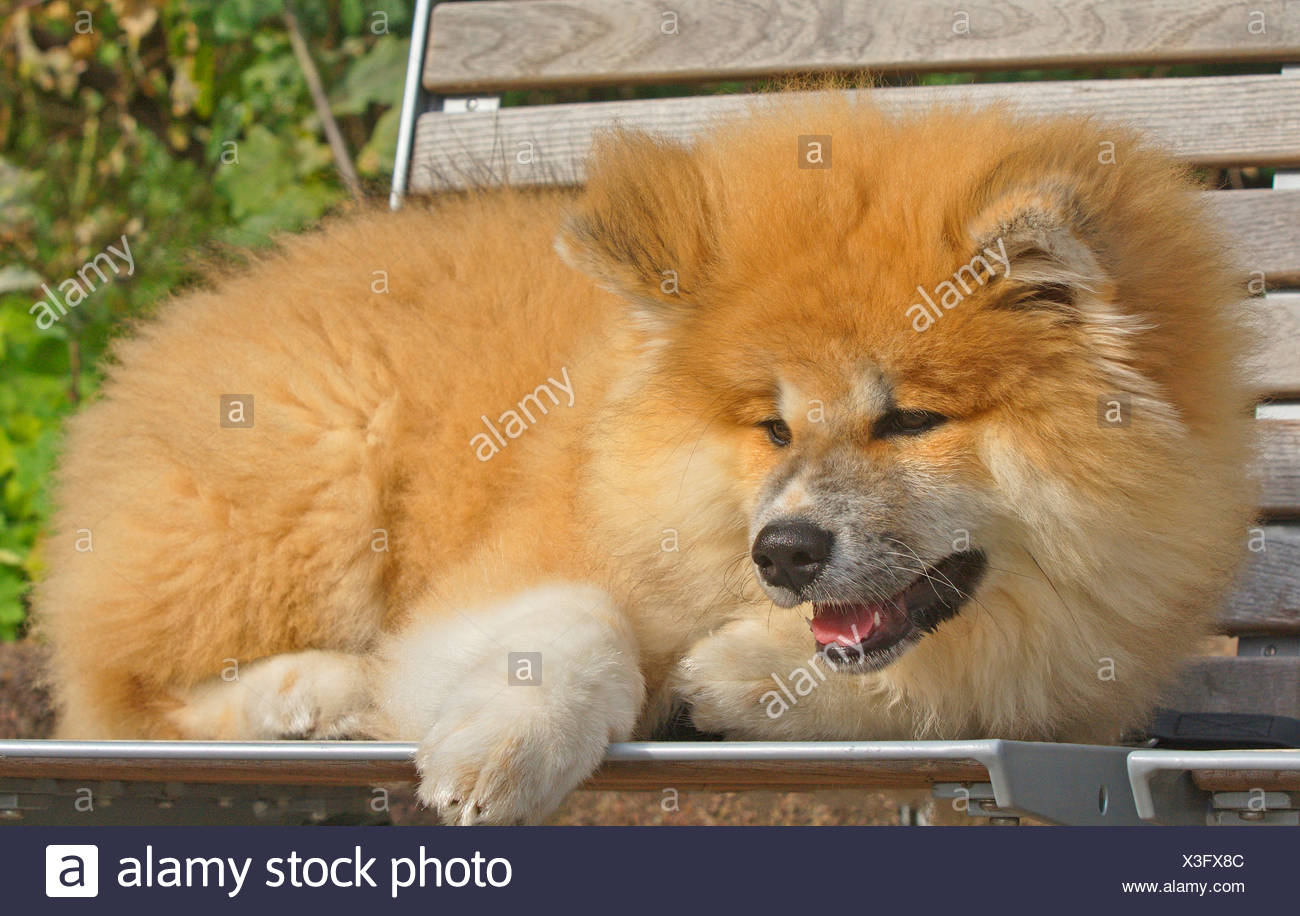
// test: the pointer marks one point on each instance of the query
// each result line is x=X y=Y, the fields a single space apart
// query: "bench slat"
x=783 y=775
x=1230 y=120
x=1247 y=780
x=246 y=772
x=787 y=776
x=474 y=46
x=1268 y=225
x=1262 y=686
x=459 y=151
x=1267 y=600
x=648 y=776
x=1279 y=467
x=1279 y=364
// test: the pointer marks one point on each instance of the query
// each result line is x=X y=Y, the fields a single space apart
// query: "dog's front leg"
x=513 y=702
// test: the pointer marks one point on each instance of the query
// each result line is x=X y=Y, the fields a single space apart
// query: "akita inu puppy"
x=512 y=472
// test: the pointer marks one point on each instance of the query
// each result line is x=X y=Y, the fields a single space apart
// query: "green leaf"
x=376 y=157
x=235 y=19
x=264 y=167
x=376 y=78
x=7 y=462
x=13 y=585
x=204 y=77
x=351 y=15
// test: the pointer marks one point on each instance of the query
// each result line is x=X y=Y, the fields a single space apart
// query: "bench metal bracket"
x=1059 y=783
x=1239 y=809
x=1164 y=792
x=1268 y=646
x=466 y=104
x=415 y=101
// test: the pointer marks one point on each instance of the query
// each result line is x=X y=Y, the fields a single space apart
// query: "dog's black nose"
x=791 y=554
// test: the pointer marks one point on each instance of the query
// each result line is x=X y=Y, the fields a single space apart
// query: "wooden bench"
x=454 y=134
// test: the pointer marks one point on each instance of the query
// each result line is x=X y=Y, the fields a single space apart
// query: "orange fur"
x=212 y=544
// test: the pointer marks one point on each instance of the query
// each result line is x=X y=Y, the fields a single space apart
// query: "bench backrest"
x=455 y=135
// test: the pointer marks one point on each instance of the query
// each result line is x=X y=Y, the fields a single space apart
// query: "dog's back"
x=311 y=505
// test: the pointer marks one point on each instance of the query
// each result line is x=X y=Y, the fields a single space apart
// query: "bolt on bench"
x=454 y=134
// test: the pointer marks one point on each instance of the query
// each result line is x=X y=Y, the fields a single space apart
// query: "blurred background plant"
x=185 y=125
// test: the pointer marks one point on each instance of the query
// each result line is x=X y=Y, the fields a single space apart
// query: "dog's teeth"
x=876 y=618
x=808 y=620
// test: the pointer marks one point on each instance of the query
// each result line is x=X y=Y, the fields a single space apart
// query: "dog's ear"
x=643 y=228
x=1039 y=233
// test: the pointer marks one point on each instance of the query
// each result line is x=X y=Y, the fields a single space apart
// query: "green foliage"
x=185 y=125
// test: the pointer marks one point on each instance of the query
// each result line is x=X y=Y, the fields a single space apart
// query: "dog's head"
x=924 y=355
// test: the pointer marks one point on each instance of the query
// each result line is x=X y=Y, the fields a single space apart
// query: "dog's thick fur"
x=351 y=564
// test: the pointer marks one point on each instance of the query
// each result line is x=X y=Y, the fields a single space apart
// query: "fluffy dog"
x=508 y=474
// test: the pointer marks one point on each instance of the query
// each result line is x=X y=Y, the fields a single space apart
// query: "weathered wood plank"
x=1267 y=223
x=784 y=775
x=474 y=46
x=1278 y=365
x=788 y=775
x=1279 y=467
x=1267 y=598
x=1247 y=780
x=1231 y=120
x=320 y=772
x=1265 y=686
x=548 y=145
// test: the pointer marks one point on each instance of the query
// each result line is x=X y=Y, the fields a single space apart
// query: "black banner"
x=645 y=869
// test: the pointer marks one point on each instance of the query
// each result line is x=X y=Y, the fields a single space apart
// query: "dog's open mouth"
x=867 y=635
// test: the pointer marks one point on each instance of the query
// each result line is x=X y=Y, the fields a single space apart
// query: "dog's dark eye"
x=778 y=431
x=902 y=422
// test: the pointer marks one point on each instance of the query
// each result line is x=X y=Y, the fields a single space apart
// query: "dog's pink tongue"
x=845 y=624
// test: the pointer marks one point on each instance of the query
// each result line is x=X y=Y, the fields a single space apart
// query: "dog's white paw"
x=313 y=694
x=503 y=743
x=498 y=767
x=308 y=695
x=732 y=680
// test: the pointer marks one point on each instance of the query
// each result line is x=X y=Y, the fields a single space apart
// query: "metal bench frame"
x=76 y=782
